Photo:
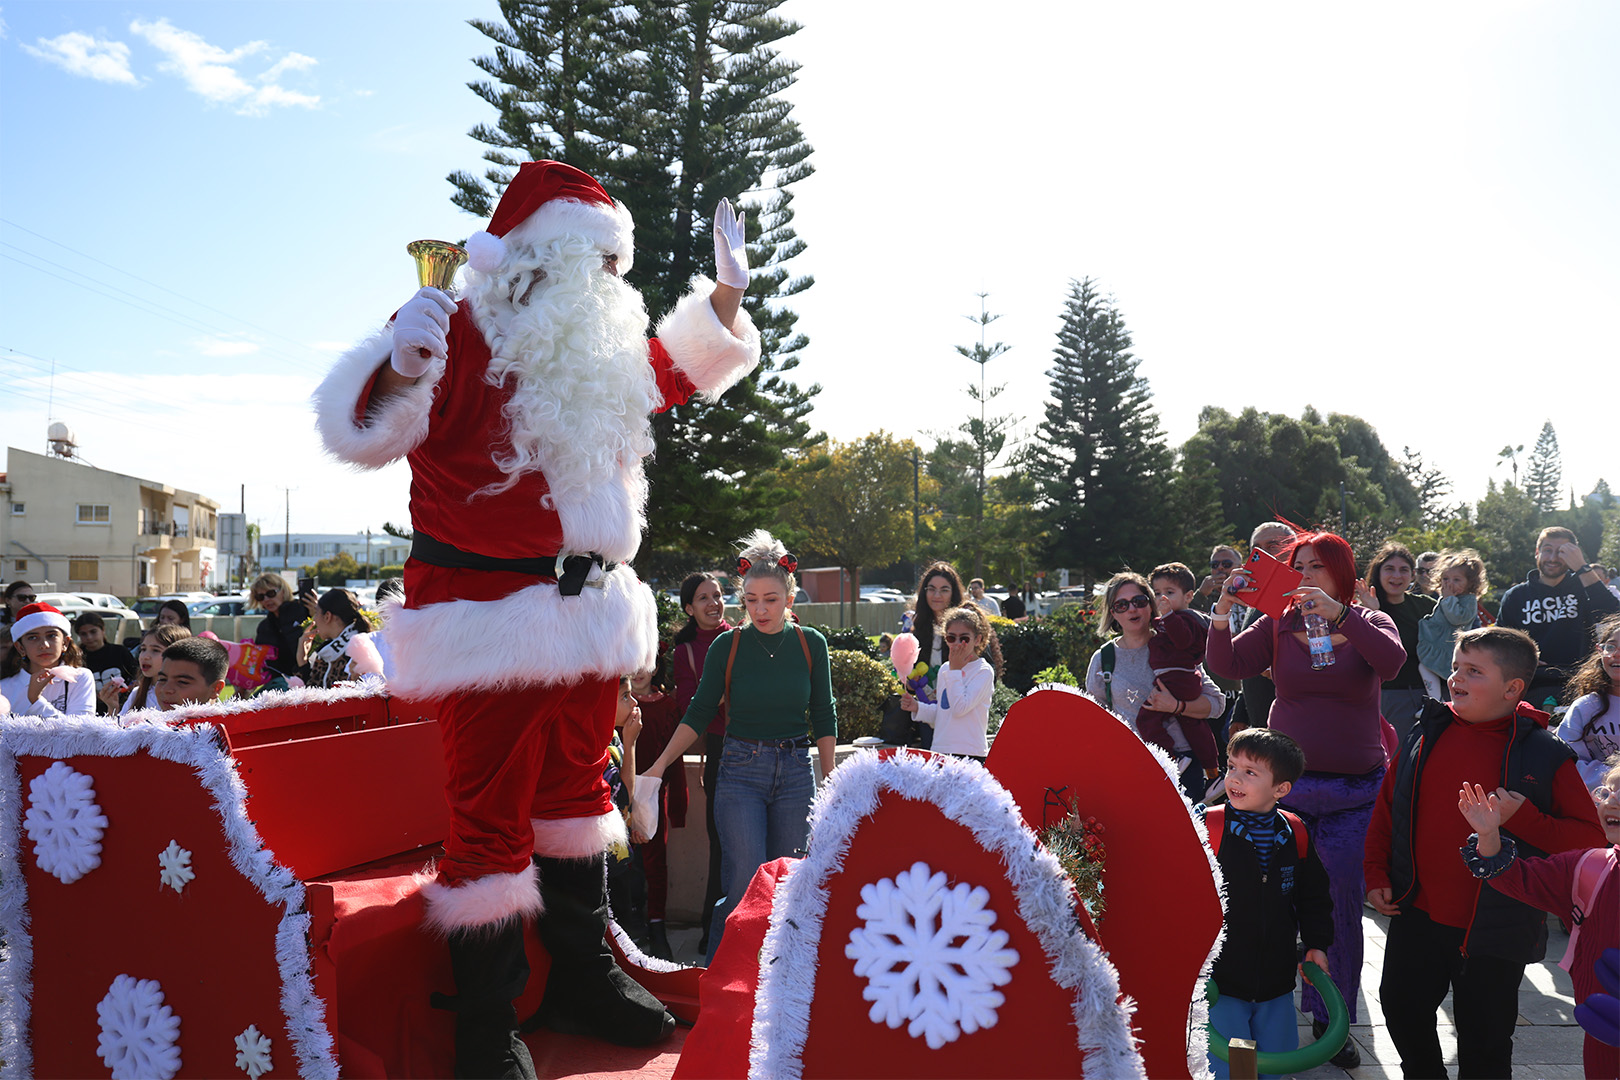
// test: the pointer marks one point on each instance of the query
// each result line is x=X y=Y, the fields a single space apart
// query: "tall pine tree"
x=1100 y=454
x=672 y=106
x=1544 y=474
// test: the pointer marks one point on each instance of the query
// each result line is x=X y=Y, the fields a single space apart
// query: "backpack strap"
x=1302 y=839
x=804 y=644
x=1591 y=870
x=1107 y=668
x=731 y=658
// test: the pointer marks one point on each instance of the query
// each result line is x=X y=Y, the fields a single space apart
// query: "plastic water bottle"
x=1320 y=637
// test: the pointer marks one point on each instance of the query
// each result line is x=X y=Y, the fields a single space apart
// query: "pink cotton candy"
x=903 y=654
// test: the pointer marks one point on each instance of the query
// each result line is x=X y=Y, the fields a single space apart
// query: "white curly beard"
x=582 y=389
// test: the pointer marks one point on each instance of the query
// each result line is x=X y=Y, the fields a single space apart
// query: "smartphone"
x=306 y=585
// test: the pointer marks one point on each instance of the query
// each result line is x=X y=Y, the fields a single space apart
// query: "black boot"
x=586 y=993
x=490 y=971
x=1349 y=1057
x=657 y=940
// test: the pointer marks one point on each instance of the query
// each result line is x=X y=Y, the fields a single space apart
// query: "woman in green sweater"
x=779 y=703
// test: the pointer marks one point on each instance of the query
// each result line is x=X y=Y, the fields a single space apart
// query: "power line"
x=178 y=318
x=154 y=285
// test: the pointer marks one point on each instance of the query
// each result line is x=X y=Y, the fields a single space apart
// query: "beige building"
x=84 y=529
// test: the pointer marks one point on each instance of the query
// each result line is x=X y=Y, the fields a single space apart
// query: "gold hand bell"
x=436 y=262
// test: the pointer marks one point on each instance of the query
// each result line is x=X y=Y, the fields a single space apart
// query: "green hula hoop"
x=1308 y=1056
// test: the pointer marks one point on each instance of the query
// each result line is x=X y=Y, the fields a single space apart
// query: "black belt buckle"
x=576 y=570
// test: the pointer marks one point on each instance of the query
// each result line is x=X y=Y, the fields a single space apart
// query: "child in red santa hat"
x=41 y=674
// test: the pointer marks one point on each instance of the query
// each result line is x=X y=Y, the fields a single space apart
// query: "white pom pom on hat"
x=546 y=199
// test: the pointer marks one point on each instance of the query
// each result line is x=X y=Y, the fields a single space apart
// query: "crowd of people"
x=1335 y=761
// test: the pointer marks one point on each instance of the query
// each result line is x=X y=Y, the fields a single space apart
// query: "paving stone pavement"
x=1547 y=1044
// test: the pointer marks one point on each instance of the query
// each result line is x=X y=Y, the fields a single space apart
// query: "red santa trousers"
x=524 y=774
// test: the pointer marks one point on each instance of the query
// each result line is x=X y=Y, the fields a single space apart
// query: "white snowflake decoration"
x=929 y=955
x=174 y=867
x=64 y=823
x=253 y=1053
x=139 y=1034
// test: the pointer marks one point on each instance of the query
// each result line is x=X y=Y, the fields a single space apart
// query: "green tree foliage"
x=672 y=105
x=338 y=570
x=1100 y=449
x=1544 y=474
x=1270 y=465
x=1431 y=487
x=852 y=503
x=1194 y=508
x=1507 y=521
x=986 y=439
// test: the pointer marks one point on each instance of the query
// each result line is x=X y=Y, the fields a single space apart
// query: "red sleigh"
x=237 y=896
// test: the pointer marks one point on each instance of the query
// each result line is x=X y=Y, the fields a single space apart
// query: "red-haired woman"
x=1333 y=713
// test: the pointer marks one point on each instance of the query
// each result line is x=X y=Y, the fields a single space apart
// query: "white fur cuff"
x=713 y=357
x=482 y=901
x=532 y=637
x=578 y=838
x=391 y=432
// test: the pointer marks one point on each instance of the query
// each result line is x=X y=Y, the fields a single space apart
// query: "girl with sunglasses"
x=1130 y=686
x=940 y=591
x=961 y=716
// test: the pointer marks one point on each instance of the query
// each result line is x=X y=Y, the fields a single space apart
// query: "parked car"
x=882 y=594
x=224 y=605
x=73 y=605
x=147 y=606
x=104 y=601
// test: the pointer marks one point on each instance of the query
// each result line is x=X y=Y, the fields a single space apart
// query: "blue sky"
x=1404 y=212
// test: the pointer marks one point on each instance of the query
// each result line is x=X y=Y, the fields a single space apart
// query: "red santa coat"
x=483 y=642
x=515 y=632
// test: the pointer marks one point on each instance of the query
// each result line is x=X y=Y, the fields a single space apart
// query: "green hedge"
x=861 y=685
x=850 y=639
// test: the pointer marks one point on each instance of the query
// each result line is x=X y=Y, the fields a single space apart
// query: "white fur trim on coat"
x=485 y=901
x=608 y=227
x=713 y=357
x=532 y=637
x=579 y=837
x=391 y=432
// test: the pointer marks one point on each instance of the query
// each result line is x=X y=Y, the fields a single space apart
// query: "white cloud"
x=226 y=347
x=91 y=57
x=211 y=72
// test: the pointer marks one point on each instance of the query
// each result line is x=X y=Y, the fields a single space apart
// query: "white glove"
x=730 y=247
x=421 y=332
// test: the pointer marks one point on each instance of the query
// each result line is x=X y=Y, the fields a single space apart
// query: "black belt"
x=570 y=572
x=801 y=743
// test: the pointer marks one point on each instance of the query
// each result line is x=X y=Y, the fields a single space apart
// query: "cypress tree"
x=1544 y=474
x=1100 y=455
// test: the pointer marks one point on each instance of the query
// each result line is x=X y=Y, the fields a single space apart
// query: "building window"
x=19 y=509
x=84 y=569
x=19 y=566
x=94 y=514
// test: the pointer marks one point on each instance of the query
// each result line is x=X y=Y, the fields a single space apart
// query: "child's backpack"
x=1215 y=822
x=1591 y=871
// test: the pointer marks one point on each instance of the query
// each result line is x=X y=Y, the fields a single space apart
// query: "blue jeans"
x=762 y=811
x=1271 y=1024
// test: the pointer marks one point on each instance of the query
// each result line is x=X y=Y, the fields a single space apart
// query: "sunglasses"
x=27 y=598
x=1120 y=607
x=958 y=639
x=264 y=595
x=1221 y=564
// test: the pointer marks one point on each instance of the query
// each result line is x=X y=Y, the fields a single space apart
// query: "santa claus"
x=524 y=412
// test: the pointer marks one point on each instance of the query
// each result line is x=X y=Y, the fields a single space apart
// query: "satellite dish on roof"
x=62 y=440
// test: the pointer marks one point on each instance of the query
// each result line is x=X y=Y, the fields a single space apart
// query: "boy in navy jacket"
x=1276 y=891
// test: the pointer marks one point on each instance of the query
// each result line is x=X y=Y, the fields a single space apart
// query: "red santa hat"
x=547 y=199
x=38 y=617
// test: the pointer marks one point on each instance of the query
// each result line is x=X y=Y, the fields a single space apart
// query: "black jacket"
x=1501 y=926
x=1264 y=915
x=283 y=629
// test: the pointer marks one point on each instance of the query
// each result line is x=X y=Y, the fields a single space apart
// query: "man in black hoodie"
x=1558 y=604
